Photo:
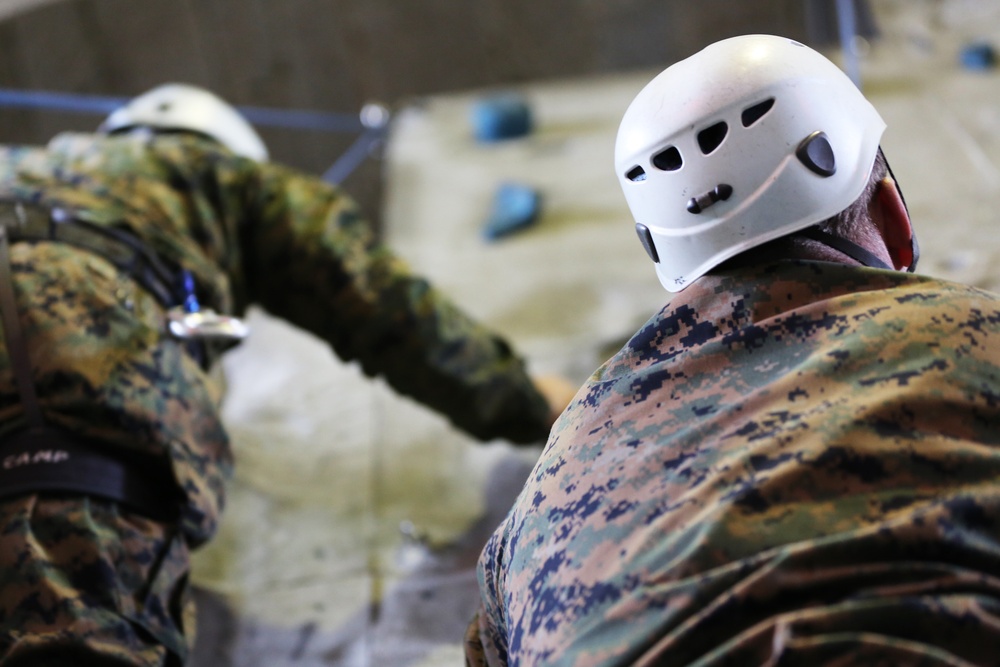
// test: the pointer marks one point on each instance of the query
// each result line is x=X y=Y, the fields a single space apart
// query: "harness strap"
x=27 y=222
x=49 y=460
x=32 y=223
x=17 y=351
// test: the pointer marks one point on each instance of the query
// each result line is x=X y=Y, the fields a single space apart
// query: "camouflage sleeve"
x=310 y=258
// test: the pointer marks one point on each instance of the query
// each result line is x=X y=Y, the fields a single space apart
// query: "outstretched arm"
x=310 y=258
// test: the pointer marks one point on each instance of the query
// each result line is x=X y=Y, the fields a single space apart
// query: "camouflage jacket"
x=105 y=365
x=794 y=463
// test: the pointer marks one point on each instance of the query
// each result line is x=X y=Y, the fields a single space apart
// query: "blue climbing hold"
x=501 y=117
x=515 y=207
x=979 y=55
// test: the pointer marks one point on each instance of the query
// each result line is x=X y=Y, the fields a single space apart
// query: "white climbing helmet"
x=748 y=140
x=178 y=106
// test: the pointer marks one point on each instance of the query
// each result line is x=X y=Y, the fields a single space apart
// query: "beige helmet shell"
x=178 y=106
x=708 y=153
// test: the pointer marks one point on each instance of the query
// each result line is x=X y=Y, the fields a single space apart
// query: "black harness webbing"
x=48 y=460
x=27 y=222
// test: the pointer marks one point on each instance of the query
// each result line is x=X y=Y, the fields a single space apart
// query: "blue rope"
x=92 y=104
x=101 y=105
x=260 y=116
x=302 y=120
x=352 y=158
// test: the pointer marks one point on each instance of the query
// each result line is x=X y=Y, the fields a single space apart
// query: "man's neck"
x=789 y=247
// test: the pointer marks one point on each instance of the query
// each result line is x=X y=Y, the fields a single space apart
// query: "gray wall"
x=334 y=55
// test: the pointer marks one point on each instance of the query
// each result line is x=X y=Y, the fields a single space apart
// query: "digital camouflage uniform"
x=82 y=571
x=790 y=464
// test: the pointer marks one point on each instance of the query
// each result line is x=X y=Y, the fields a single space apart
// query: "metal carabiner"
x=205 y=324
x=190 y=321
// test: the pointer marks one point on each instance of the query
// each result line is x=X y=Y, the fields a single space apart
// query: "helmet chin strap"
x=849 y=248
x=853 y=250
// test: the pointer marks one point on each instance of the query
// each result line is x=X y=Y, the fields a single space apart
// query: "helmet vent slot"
x=668 y=160
x=711 y=137
x=754 y=113
x=636 y=173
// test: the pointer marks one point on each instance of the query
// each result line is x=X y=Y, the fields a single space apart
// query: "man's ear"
x=890 y=216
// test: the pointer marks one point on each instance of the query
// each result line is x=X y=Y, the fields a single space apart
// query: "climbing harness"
x=43 y=458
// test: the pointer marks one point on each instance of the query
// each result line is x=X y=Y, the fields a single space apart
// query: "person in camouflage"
x=794 y=462
x=90 y=366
